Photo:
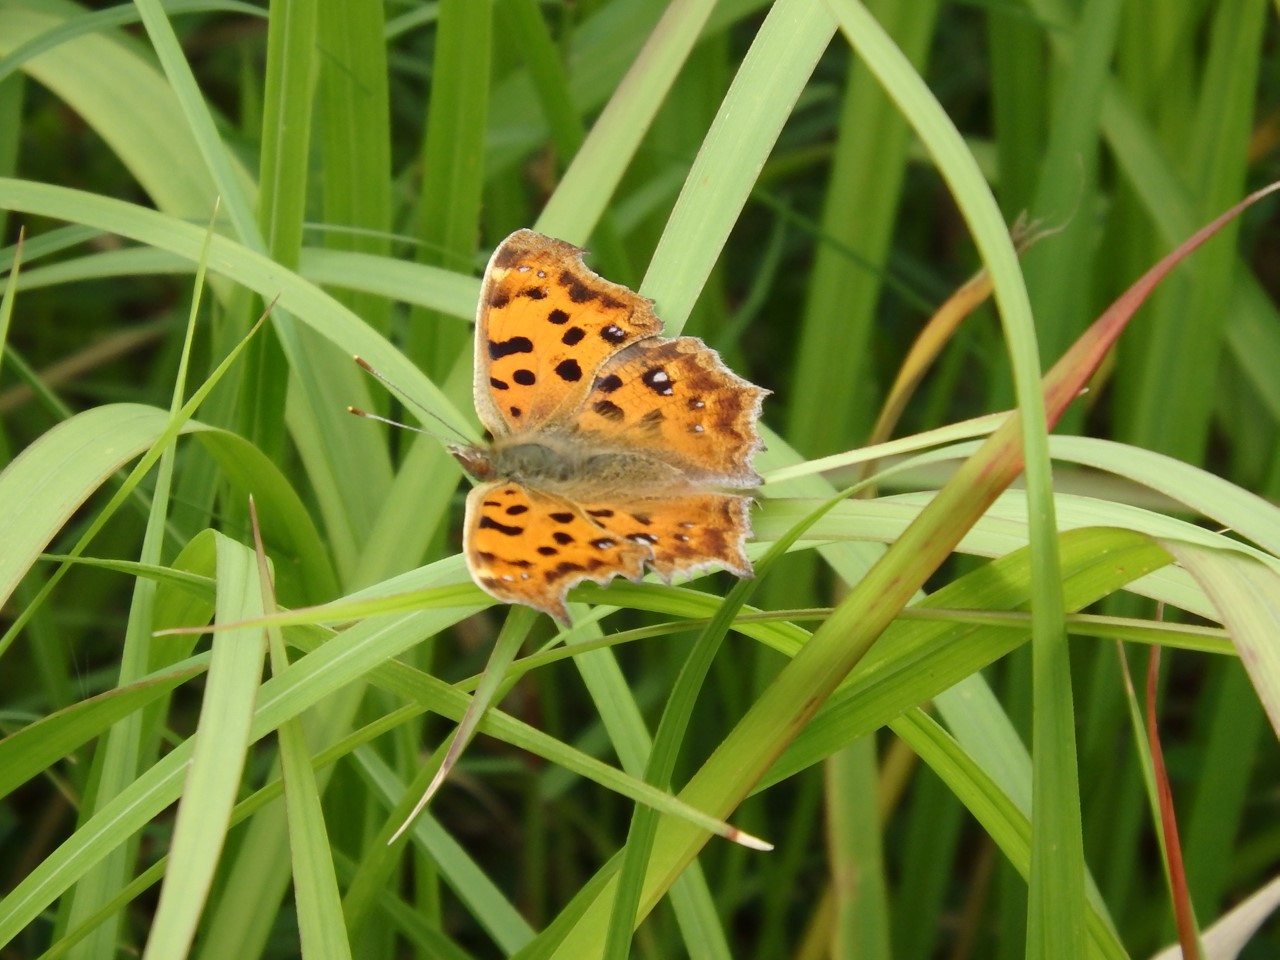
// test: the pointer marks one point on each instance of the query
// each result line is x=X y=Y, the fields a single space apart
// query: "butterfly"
x=611 y=445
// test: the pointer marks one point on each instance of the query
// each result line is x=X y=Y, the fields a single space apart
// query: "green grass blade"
x=108 y=81
x=772 y=75
x=320 y=922
x=1185 y=346
x=834 y=374
x=232 y=191
x=1057 y=894
x=1246 y=596
x=1068 y=181
x=217 y=760
x=129 y=745
x=592 y=178
x=40 y=745
x=354 y=138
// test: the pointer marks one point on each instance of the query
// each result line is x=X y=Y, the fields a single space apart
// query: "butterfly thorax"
x=562 y=463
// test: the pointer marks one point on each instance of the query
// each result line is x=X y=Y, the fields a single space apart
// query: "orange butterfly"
x=608 y=440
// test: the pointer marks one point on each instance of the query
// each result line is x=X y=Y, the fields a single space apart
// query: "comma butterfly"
x=608 y=440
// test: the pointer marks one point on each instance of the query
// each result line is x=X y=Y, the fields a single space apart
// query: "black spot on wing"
x=569 y=371
x=608 y=384
x=608 y=409
x=578 y=291
x=563 y=569
x=507 y=256
x=558 y=316
x=562 y=538
x=562 y=517
x=488 y=523
x=658 y=380
x=613 y=334
x=573 y=336
x=499 y=384
x=505 y=348
x=524 y=377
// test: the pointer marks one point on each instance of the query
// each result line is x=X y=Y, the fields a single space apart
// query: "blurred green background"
x=740 y=163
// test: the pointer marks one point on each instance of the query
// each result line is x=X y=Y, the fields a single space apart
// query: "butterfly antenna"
x=356 y=411
x=369 y=369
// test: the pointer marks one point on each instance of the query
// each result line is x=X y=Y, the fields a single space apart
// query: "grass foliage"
x=933 y=699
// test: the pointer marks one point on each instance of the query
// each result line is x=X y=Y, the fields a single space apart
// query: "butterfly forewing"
x=544 y=326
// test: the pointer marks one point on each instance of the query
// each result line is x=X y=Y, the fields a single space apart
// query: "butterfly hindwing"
x=527 y=546
x=676 y=401
x=687 y=533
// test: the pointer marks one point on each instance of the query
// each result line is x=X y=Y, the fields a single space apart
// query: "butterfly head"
x=475 y=460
